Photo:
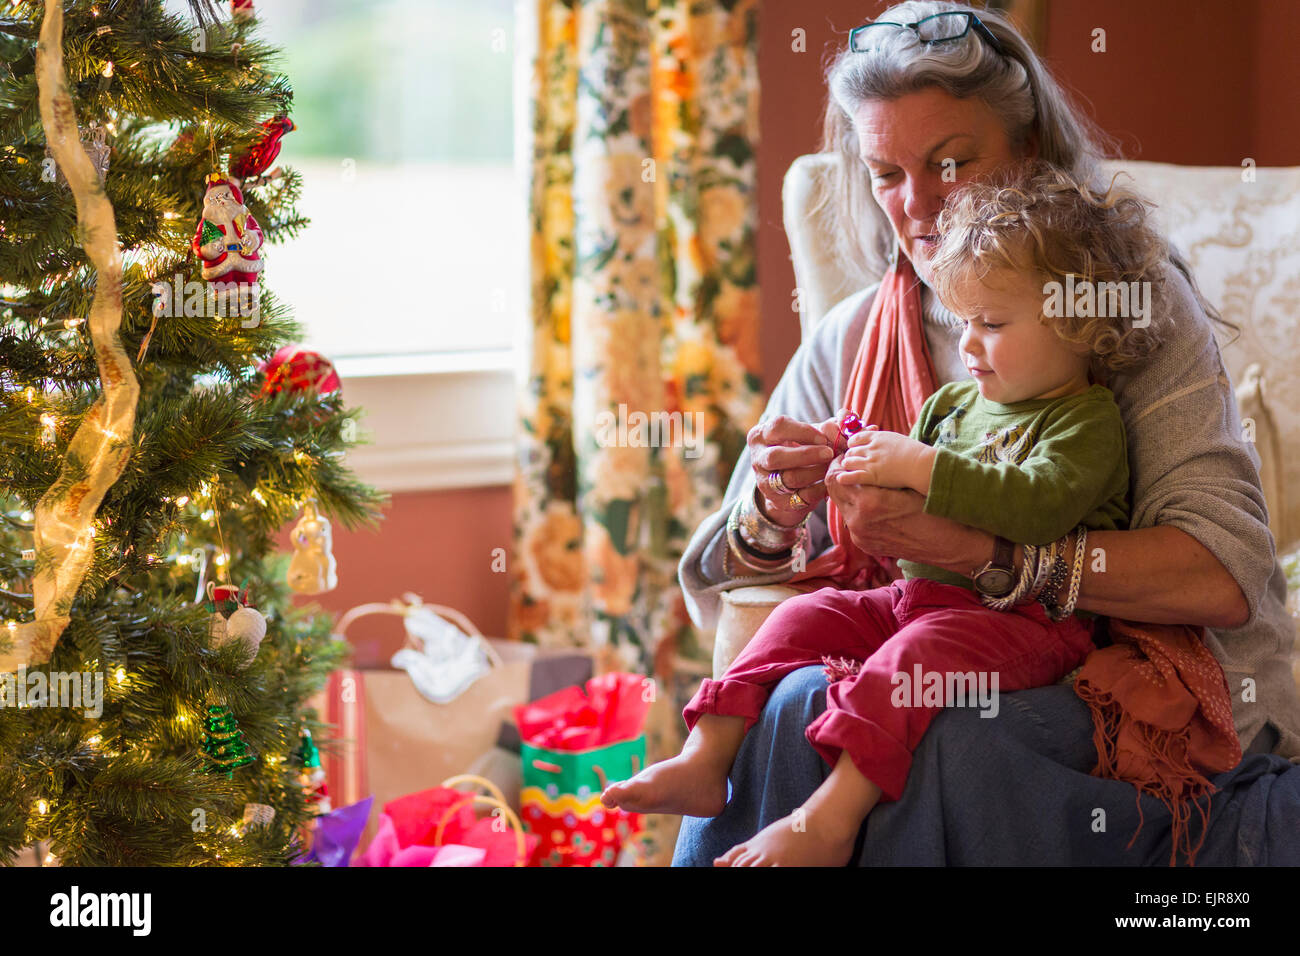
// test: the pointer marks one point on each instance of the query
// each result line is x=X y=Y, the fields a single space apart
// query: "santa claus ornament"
x=312 y=569
x=227 y=240
x=233 y=619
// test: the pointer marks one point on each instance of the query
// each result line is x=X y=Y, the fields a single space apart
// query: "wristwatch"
x=998 y=576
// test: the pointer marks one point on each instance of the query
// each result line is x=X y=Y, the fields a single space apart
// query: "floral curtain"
x=641 y=132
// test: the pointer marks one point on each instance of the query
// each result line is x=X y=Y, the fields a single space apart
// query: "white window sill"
x=435 y=421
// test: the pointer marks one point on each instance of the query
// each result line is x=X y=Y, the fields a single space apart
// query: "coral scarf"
x=1161 y=716
x=892 y=377
x=1159 y=699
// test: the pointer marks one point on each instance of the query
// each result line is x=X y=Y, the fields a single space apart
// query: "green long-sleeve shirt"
x=1031 y=471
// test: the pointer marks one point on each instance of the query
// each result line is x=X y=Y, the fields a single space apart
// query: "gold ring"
x=797 y=503
x=778 y=485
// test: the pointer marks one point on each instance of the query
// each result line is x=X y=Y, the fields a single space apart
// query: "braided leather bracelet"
x=1023 y=583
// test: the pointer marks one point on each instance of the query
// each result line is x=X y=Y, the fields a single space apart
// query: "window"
x=404 y=140
x=411 y=276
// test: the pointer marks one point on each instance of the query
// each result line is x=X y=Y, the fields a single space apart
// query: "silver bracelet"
x=762 y=533
x=758 y=563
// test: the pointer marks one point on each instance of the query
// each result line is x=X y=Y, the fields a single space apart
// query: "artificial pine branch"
x=215 y=467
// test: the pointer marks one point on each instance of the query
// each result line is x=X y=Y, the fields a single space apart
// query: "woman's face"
x=904 y=144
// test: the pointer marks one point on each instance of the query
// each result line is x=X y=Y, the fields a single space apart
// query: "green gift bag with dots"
x=560 y=802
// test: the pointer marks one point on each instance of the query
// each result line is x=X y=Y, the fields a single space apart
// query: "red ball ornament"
x=298 y=370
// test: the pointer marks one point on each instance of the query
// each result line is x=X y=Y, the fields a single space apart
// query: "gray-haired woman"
x=929 y=96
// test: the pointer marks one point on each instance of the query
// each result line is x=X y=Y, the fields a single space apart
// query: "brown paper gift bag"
x=410 y=743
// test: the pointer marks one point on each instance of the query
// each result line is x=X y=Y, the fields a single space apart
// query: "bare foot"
x=803 y=838
x=690 y=784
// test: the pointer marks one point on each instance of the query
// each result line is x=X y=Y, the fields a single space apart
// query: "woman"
x=914 y=111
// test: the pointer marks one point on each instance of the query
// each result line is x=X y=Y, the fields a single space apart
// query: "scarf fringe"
x=1174 y=780
x=838 y=668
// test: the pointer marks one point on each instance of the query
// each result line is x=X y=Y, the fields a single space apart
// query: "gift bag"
x=561 y=804
x=574 y=744
x=396 y=741
x=439 y=827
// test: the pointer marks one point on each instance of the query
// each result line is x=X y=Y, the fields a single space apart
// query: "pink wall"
x=437 y=544
x=1181 y=82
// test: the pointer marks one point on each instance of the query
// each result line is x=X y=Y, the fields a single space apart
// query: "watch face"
x=995 y=581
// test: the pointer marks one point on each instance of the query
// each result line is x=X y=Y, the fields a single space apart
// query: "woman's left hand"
x=887 y=522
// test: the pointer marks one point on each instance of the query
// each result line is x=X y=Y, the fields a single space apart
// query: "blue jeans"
x=1014 y=789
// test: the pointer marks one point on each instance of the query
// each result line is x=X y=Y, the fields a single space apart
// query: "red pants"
x=919 y=643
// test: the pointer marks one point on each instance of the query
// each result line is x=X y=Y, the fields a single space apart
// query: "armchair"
x=1239 y=229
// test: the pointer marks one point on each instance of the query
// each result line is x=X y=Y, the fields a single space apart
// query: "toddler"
x=1029 y=449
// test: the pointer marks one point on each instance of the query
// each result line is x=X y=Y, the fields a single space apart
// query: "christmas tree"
x=143 y=454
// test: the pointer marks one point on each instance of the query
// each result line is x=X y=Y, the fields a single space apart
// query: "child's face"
x=1006 y=346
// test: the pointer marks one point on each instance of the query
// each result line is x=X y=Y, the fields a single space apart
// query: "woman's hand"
x=887 y=522
x=800 y=452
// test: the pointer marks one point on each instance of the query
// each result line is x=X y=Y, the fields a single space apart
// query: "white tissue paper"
x=450 y=661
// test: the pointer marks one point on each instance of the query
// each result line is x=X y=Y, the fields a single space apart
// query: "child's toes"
x=729 y=858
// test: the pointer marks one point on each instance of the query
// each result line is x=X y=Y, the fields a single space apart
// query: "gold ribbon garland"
x=65 y=515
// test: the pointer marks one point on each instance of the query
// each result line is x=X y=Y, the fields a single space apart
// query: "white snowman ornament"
x=245 y=624
x=312 y=569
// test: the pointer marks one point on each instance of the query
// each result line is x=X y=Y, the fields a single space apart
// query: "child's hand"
x=831 y=429
x=886 y=459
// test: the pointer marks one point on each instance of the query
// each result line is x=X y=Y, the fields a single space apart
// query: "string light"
x=108 y=69
x=48 y=423
x=182 y=501
x=42 y=807
x=120 y=675
x=258 y=495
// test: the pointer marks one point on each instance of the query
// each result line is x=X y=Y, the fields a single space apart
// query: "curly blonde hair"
x=1036 y=218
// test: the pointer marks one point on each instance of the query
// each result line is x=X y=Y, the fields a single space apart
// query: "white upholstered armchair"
x=1240 y=230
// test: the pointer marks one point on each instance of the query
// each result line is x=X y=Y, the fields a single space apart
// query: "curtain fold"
x=638 y=139
x=638 y=142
